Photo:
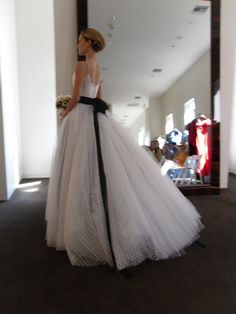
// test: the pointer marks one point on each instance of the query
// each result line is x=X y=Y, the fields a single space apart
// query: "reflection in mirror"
x=156 y=76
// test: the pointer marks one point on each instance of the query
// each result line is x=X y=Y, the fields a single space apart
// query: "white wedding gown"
x=149 y=217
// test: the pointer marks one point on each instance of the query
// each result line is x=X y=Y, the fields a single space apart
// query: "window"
x=189 y=111
x=217 y=106
x=141 y=136
x=169 y=123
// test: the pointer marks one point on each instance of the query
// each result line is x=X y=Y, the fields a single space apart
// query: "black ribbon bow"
x=98 y=104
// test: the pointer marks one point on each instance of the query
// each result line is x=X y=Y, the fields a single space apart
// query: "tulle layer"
x=149 y=217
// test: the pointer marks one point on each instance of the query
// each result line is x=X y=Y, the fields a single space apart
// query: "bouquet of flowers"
x=62 y=101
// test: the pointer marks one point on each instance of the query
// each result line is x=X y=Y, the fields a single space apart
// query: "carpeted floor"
x=36 y=279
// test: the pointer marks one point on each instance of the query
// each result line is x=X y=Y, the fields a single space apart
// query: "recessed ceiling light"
x=157 y=70
x=114 y=17
x=132 y=105
x=200 y=9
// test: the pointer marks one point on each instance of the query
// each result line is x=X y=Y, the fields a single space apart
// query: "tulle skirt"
x=149 y=217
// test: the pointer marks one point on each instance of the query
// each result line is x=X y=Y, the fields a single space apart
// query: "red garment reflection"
x=203 y=146
x=199 y=143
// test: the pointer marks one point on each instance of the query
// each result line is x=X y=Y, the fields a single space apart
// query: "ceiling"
x=143 y=35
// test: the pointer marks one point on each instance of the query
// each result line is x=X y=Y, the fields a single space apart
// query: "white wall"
x=228 y=90
x=65 y=15
x=155 y=117
x=232 y=157
x=10 y=159
x=36 y=59
x=3 y=185
x=194 y=83
x=232 y=148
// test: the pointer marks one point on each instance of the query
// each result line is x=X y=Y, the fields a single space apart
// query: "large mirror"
x=157 y=77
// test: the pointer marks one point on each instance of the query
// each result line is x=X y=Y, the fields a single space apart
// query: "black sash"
x=98 y=104
x=101 y=106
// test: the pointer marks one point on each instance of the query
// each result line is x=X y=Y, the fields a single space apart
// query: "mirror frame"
x=214 y=186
